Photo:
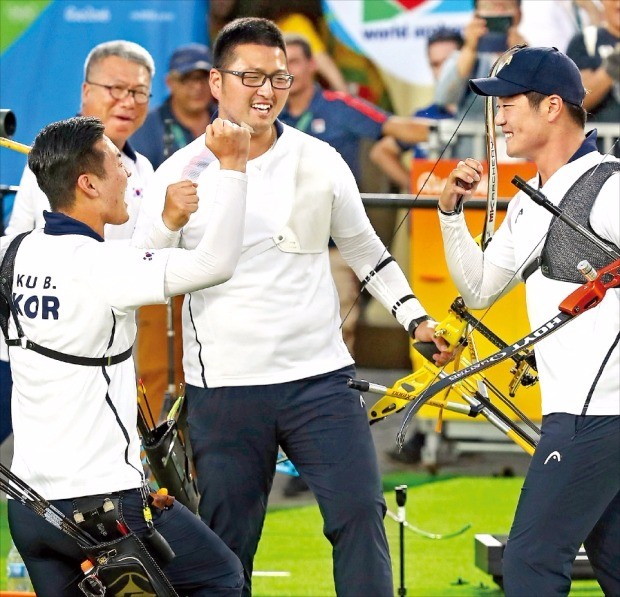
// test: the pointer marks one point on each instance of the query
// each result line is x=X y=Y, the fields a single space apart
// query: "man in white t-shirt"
x=571 y=493
x=73 y=298
x=264 y=359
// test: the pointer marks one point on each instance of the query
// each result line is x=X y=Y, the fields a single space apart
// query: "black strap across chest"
x=8 y=309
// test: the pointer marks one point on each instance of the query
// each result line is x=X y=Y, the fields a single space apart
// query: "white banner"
x=393 y=33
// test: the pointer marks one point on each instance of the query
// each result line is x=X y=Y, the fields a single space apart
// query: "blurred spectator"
x=302 y=18
x=387 y=152
x=338 y=118
x=492 y=29
x=185 y=113
x=116 y=89
x=596 y=51
x=555 y=22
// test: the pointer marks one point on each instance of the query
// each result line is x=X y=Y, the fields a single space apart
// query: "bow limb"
x=472 y=392
x=584 y=298
x=489 y=121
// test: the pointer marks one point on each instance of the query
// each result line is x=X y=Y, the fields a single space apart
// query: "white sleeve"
x=29 y=200
x=150 y=231
x=382 y=276
x=367 y=256
x=605 y=214
x=478 y=280
x=130 y=277
x=214 y=260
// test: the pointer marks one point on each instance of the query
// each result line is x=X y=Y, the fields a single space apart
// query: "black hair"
x=247 y=30
x=445 y=34
x=476 y=3
x=577 y=113
x=61 y=152
x=296 y=39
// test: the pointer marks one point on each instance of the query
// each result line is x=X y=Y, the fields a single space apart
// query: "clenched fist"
x=181 y=201
x=462 y=183
x=230 y=144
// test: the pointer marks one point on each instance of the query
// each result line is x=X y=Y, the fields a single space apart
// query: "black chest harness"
x=117 y=556
x=564 y=247
x=8 y=309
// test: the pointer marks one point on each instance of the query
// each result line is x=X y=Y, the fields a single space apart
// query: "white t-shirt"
x=574 y=361
x=277 y=319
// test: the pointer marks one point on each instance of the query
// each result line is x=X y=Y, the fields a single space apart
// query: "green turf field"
x=293 y=545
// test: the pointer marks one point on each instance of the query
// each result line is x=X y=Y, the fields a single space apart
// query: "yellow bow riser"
x=396 y=399
x=453 y=330
x=405 y=390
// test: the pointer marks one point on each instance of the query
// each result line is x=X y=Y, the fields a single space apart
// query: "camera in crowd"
x=8 y=123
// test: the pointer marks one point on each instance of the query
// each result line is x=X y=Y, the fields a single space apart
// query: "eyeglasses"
x=119 y=93
x=251 y=78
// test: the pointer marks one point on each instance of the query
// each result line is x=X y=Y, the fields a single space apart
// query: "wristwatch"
x=413 y=325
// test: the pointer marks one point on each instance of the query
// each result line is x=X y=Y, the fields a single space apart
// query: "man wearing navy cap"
x=187 y=109
x=571 y=494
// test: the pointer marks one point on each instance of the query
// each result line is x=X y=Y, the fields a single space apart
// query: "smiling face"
x=256 y=106
x=524 y=127
x=112 y=185
x=121 y=118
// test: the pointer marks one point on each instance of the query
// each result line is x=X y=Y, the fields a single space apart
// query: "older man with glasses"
x=116 y=89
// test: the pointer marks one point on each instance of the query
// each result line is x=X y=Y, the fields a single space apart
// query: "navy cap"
x=545 y=70
x=190 y=57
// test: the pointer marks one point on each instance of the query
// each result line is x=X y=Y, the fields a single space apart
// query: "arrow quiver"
x=168 y=452
x=125 y=567
x=118 y=566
